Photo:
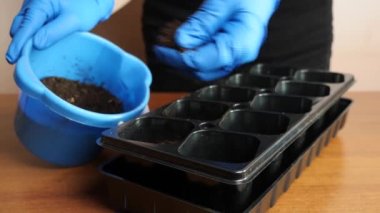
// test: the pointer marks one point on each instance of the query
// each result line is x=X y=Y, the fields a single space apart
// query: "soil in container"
x=87 y=96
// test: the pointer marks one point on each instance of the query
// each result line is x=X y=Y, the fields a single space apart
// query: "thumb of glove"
x=32 y=21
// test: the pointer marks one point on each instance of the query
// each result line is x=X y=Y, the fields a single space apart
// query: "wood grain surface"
x=344 y=178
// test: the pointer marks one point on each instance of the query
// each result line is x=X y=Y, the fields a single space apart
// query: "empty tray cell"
x=302 y=89
x=280 y=103
x=252 y=81
x=262 y=69
x=199 y=110
x=255 y=122
x=315 y=76
x=226 y=94
x=220 y=146
x=157 y=130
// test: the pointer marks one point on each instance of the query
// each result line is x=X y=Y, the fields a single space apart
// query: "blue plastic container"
x=57 y=131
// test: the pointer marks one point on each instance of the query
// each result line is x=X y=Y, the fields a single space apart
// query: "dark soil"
x=166 y=35
x=86 y=96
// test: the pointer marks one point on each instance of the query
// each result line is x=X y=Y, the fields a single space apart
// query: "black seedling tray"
x=227 y=140
x=135 y=186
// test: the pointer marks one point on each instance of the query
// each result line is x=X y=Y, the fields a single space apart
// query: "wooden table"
x=344 y=178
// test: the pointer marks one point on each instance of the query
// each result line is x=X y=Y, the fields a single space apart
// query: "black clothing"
x=299 y=35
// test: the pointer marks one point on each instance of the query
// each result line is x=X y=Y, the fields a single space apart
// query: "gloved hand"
x=220 y=36
x=48 y=21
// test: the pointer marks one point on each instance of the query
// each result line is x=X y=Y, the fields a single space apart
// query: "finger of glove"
x=211 y=56
x=238 y=42
x=32 y=21
x=170 y=57
x=174 y=59
x=55 y=30
x=177 y=60
x=18 y=19
x=16 y=24
x=204 y=23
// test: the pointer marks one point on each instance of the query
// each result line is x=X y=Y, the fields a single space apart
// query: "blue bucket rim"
x=29 y=84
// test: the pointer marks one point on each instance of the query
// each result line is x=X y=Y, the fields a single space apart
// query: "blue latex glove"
x=48 y=21
x=220 y=36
